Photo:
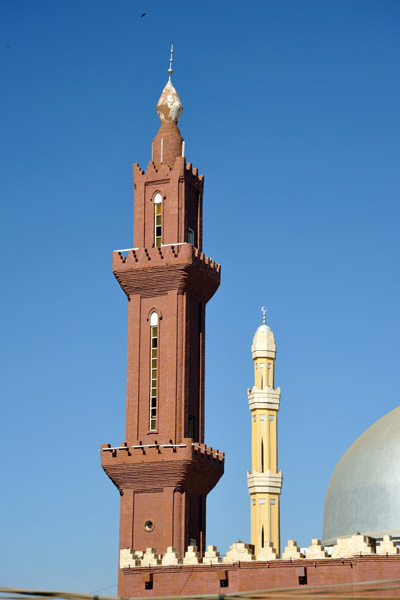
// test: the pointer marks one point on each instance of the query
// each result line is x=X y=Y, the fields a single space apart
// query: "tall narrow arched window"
x=157 y=220
x=262 y=456
x=153 y=371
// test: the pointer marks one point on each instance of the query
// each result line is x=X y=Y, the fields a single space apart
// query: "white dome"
x=264 y=327
x=364 y=492
x=263 y=343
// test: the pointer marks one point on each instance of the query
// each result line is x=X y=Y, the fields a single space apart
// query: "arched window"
x=153 y=370
x=157 y=219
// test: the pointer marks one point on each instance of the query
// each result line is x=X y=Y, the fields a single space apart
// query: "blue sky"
x=291 y=110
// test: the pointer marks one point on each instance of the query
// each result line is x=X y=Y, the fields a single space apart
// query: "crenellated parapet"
x=241 y=552
x=166 y=172
x=152 y=271
x=152 y=467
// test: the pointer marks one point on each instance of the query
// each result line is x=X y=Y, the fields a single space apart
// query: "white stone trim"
x=264 y=483
x=267 y=399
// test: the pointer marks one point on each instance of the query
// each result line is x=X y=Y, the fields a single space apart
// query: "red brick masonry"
x=199 y=579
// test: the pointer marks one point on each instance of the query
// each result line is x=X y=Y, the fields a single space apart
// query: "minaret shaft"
x=163 y=469
x=264 y=481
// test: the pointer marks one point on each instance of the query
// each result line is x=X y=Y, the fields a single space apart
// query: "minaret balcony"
x=152 y=467
x=264 y=483
x=266 y=399
x=158 y=270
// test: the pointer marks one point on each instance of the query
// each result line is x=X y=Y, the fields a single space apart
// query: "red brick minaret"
x=164 y=471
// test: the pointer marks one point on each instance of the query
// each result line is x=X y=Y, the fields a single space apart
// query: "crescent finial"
x=264 y=310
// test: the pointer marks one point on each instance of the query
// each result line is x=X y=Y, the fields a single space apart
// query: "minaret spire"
x=170 y=71
x=168 y=143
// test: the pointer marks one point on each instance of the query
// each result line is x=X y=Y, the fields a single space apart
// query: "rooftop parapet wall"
x=153 y=271
x=354 y=547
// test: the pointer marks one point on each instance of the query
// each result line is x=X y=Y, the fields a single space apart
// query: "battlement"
x=169 y=450
x=152 y=467
x=240 y=552
x=167 y=254
x=151 y=271
x=165 y=171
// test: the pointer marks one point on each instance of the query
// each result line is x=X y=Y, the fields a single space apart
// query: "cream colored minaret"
x=264 y=481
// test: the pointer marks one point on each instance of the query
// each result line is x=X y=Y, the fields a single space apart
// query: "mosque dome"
x=364 y=492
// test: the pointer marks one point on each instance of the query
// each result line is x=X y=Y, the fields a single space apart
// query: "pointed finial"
x=169 y=106
x=264 y=310
x=170 y=71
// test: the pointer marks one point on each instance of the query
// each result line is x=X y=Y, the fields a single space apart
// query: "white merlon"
x=211 y=556
x=150 y=558
x=316 y=550
x=129 y=558
x=267 y=553
x=192 y=556
x=268 y=482
x=267 y=399
x=347 y=547
x=239 y=552
x=292 y=551
x=171 y=557
x=353 y=545
x=387 y=546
